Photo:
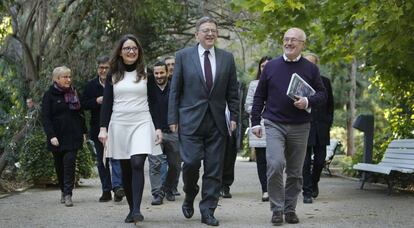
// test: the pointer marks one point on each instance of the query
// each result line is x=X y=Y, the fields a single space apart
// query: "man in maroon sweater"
x=287 y=123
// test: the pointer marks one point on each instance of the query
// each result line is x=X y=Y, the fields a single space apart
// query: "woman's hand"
x=103 y=135
x=54 y=141
x=158 y=134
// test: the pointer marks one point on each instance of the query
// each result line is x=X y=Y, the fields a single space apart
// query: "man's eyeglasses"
x=207 y=31
x=103 y=68
x=128 y=49
x=293 y=40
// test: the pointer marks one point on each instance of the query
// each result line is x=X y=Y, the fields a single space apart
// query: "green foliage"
x=37 y=162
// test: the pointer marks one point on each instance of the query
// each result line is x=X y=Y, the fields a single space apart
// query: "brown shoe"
x=68 y=201
x=277 y=218
x=291 y=218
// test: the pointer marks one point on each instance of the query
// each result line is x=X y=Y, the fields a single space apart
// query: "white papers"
x=300 y=88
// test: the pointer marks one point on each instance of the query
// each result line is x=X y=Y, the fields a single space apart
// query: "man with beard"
x=287 y=123
x=158 y=100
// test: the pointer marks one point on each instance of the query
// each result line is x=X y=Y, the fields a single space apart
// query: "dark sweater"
x=272 y=88
x=158 y=102
x=93 y=90
x=67 y=125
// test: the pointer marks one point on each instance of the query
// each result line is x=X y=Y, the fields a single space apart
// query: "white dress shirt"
x=211 y=57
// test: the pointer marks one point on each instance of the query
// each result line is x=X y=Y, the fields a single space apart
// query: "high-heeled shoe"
x=137 y=218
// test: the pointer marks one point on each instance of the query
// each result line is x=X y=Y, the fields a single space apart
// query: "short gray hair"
x=58 y=71
x=205 y=19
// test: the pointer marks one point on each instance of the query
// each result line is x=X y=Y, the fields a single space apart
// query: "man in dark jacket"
x=92 y=100
x=322 y=118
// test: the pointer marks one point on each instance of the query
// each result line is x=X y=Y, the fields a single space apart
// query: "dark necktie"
x=207 y=71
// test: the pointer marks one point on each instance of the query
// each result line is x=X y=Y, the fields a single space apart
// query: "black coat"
x=322 y=118
x=68 y=126
x=93 y=90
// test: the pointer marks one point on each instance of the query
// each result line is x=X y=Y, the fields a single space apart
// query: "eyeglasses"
x=293 y=40
x=207 y=31
x=128 y=49
x=103 y=68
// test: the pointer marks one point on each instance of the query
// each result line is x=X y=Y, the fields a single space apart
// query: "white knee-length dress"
x=131 y=130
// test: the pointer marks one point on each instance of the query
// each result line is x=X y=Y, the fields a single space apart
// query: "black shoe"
x=137 y=218
x=176 y=192
x=225 y=192
x=315 y=191
x=307 y=199
x=106 y=196
x=129 y=218
x=277 y=218
x=291 y=218
x=169 y=195
x=188 y=207
x=208 y=218
x=157 y=200
x=119 y=193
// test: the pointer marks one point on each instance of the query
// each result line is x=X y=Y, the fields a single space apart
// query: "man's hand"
x=158 y=134
x=257 y=132
x=54 y=141
x=174 y=128
x=301 y=102
x=233 y=125
x=99 y=100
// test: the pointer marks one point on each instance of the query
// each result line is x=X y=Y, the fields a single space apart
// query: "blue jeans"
x=104 y=172
x=116 y=174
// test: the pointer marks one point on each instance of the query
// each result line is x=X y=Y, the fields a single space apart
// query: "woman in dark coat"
x=65 y=127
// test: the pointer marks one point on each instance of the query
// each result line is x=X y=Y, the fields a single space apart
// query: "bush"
x=37 y=164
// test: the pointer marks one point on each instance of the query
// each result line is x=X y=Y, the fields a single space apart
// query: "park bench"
x=398 y=159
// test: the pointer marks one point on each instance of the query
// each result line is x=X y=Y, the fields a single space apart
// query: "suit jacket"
x=93 y=90
x=322 y=118
x=189 y=98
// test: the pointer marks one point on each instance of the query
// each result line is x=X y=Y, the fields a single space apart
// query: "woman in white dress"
x=127 y=129
x=259 y=144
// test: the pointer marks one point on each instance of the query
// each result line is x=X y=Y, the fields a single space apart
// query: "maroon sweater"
x=272 y=87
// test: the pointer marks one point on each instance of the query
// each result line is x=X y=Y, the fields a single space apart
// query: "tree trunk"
x=351 y=110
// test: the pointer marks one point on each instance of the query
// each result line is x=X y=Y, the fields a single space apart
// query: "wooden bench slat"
x=399 y=151
x=399 y=165
x=398 y=161
x=399 y=156
x=373 y=168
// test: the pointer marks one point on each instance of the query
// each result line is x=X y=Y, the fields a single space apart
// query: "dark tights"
x=133 y=181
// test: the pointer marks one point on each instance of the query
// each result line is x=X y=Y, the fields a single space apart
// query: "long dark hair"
x=259 y=71
x=117 y=64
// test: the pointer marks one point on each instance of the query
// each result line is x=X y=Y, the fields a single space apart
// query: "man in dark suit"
x=204 y=80
x=322 y=118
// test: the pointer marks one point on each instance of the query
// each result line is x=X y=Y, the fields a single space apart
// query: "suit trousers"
x=206 y=144
x=229 y=161
x=286 y=149
x=65 y=163
x=312 y=173
x=171 y=150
